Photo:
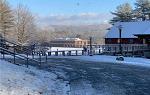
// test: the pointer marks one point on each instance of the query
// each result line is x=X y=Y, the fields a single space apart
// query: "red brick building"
x=69 y=42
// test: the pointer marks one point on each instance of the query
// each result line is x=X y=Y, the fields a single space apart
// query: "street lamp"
x=120 y=58
x=120 y=41
x=91 y=46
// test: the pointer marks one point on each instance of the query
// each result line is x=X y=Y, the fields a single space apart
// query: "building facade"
x=134 y=38
x=69 y=42
x=129 y=32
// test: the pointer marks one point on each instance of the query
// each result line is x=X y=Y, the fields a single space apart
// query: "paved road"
x=95 y=78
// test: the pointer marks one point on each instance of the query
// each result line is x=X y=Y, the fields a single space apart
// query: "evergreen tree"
x=123 y=13
x=6 y=18
x=142 y=9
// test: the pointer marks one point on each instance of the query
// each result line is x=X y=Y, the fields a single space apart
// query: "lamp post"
x=120 y=58
x=91 y=46
x=120 y=41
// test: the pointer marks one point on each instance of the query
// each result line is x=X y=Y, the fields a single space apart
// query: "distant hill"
x=85 y=31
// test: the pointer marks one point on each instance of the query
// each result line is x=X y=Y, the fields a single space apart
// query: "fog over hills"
x=97 y=31
x=81 y=24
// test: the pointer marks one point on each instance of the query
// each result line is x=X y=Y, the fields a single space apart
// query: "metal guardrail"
x=12 y=52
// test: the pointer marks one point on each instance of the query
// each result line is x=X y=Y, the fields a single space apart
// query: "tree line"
x=21 y=26
x=125 y=12
x=16 y=24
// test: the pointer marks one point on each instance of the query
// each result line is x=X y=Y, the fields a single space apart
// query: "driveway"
x=95 y=78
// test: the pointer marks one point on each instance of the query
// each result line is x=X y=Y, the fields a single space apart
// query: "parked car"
x=120 y=58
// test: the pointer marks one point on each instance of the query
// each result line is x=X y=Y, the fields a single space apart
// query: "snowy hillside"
x=18 y=80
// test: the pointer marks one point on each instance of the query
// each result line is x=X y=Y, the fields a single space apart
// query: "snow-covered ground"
x=18 y=80
x=63 y=49
x=112 y=59
x=106 y=58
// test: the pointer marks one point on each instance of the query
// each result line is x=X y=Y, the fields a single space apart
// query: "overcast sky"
x=71 y=11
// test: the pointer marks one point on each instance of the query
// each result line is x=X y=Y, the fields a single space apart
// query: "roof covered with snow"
x=129 y=29
x=67 y=39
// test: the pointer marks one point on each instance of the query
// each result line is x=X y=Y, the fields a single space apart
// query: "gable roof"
x=129 y=29
x=147 y=32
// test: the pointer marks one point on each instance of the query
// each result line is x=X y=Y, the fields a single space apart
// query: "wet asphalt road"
x=95 y=78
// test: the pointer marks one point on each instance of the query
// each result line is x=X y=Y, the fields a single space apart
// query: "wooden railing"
x=125 y=47
x=114 y=48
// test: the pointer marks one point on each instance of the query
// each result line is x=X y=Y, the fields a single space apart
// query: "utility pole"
x=120 y=58
x=120 y=40
x=91 y=46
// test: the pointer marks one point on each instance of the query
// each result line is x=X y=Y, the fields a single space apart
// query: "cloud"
x=77 y=19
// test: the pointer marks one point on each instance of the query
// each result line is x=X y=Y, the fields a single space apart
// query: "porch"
x=127 y=49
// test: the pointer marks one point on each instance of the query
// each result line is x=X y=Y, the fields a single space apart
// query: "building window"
x=131 y=41
x=109 y=40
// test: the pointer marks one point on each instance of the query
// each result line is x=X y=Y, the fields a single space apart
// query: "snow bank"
x=18 y=80
x=112 y=59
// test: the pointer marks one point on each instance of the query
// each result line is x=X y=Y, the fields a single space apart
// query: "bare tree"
x=6 y=18
x=24 y=24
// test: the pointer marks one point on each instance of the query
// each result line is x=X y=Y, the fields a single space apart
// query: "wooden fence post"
x=49 y=53
x=115 y=50
x=14 y=56
x=56 y=53
x=88 y=52
x=76 y=53
x=3 y=46
x=46 y=58
x=99 y=51
x=33 y=54
x=40 y=59
x=27 y=60
x=63 y=53
x=83 y=52
x=69 y=53
x=132 y=50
